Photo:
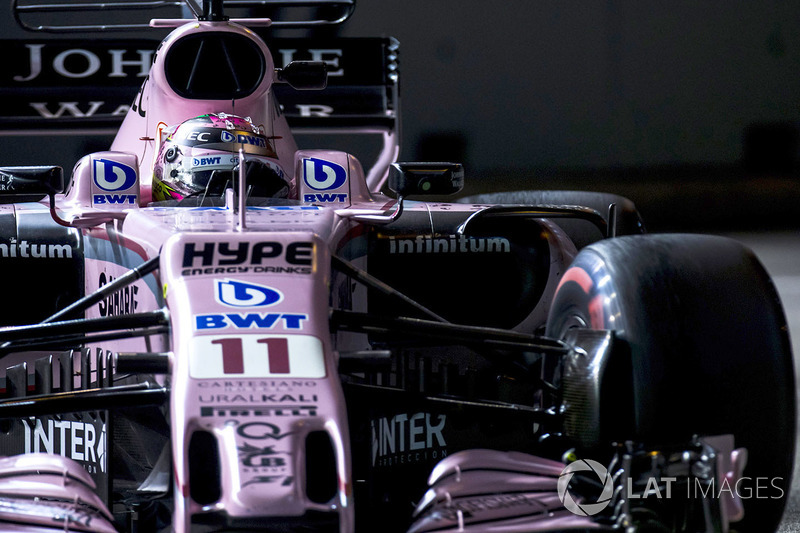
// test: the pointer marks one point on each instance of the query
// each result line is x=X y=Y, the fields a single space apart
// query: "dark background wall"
x=690 y=108
x=618 y=94
x=595 y=84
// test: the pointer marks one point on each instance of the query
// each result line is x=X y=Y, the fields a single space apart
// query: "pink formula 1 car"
x=209 y=329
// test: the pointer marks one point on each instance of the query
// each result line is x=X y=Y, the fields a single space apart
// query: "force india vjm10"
x=223 y=332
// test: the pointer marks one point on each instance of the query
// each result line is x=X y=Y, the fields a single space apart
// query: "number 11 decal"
x=253 y=355
x=233 y=355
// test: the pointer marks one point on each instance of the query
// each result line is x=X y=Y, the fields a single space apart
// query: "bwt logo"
x=324 y=197
x=252 y=139
x=584 y=508
x=203 y=161
x=112 y=176
x=227 y=137
x=240 y=294
x=323 y=175
x=249 y=320
x=115 y=199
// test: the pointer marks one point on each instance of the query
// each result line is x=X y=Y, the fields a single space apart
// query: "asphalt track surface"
x=780 y=254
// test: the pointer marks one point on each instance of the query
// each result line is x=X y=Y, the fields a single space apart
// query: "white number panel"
x=257 y=356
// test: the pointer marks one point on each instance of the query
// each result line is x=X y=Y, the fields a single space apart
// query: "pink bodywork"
x=253 y=362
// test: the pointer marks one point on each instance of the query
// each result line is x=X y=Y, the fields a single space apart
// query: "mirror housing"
x=30 y=184
x=304 y=75
x=426 y=179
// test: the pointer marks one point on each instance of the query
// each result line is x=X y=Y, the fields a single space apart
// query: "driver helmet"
x=200 y=157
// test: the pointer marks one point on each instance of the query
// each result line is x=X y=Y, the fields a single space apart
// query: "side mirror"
x=304 y=75
x=30 y=184
x=429 y=179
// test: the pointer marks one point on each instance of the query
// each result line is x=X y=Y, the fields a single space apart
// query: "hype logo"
x=240 y=294
x=113 y=176
x=323 y=175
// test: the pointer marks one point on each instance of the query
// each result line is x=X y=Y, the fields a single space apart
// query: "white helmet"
x=201 y=157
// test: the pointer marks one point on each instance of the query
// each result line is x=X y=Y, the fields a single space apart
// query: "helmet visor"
x=191 y=172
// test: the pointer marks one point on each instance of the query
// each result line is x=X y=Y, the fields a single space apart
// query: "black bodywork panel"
x=41 y=263
x=492 y=276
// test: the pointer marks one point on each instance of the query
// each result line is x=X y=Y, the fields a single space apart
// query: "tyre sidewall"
x=708 y=344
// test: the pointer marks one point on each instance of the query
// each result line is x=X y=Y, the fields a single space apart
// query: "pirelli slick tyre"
x=709 y=351
x=628 y=221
